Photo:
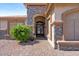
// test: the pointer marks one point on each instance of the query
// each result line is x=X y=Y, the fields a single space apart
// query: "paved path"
x=35 y=48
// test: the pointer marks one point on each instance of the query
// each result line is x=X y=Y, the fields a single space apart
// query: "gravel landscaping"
x=35 y=48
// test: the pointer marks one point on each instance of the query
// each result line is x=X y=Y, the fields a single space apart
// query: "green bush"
x=21 y=32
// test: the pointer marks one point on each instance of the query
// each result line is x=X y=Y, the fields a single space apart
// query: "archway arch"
x=68 y=12
x=39 y=24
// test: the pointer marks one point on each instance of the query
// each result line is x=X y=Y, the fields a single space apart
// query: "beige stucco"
x=69 y=14
x=60 y=9
x=7 y=22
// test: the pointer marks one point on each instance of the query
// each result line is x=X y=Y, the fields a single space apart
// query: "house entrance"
x=39 y=28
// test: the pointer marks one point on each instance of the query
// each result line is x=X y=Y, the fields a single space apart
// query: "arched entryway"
x=39 y=26
x=71 y=25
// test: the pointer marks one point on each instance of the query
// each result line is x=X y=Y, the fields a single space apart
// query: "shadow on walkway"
x=29 y=43
x=33 y=42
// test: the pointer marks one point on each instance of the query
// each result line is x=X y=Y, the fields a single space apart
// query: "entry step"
x=68 y=45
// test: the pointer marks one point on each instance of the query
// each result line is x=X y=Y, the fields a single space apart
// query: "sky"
x=12 y=9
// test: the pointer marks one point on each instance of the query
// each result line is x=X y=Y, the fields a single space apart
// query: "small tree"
x=21 y=32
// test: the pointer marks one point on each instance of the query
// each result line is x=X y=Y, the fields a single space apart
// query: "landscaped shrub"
x=21 y=32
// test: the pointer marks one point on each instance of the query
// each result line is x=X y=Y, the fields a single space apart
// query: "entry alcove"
x=39 y=25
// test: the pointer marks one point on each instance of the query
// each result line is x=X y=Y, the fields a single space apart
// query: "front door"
x=39 y=29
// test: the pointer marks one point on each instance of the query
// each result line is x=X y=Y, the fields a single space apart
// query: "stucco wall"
x=33 y=10
x=59 y=10
x=53 y=30
x=51 y=27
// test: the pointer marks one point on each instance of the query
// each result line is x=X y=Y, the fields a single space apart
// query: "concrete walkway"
x=35 y=48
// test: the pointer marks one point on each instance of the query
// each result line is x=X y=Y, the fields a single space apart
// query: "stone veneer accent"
x=58 y=32
x=33 y=10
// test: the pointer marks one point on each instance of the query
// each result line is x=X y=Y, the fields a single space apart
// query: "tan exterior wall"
x=61 y=8
x=7 y=22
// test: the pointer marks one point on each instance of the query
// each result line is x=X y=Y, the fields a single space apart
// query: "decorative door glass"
x=39 y=29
